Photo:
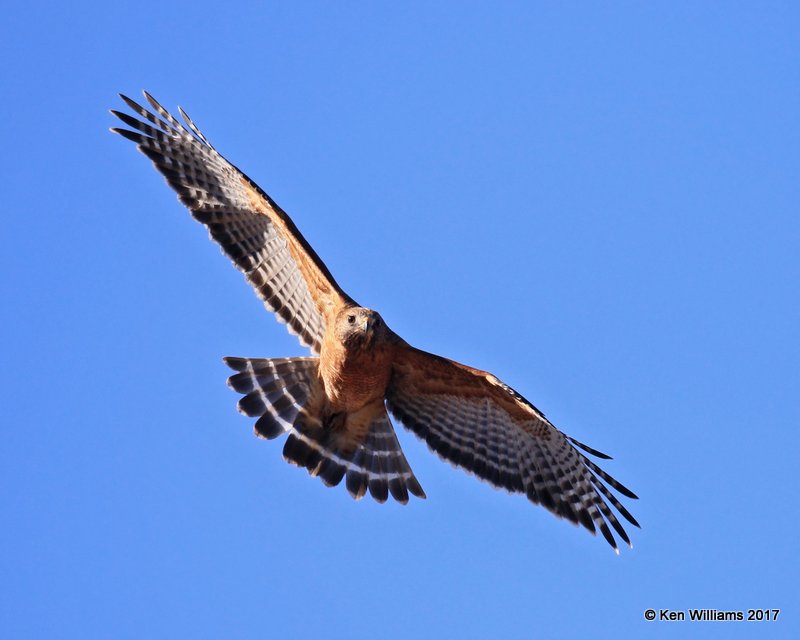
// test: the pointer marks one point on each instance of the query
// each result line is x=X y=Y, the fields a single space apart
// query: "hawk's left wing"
x=253 y=231
x=478 y=423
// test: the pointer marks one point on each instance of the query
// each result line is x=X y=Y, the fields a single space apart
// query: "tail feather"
x=377 y=464
x=276 y=389
x=286 y=396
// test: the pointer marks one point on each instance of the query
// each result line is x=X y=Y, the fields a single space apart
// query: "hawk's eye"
x=351 y=319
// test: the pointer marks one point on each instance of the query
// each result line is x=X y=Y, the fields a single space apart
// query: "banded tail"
x=287 y=397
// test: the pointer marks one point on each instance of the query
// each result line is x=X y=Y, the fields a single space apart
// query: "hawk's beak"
x=369 y=325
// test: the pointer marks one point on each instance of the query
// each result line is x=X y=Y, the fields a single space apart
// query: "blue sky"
x=596 y=203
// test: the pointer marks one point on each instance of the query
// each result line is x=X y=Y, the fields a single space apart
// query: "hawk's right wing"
x=253 y=231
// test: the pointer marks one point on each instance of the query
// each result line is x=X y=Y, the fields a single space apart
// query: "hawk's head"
x=359 y=327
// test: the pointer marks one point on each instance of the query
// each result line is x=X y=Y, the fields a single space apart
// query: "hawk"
x=334 y=406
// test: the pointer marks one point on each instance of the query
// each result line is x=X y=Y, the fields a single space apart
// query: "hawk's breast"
x=355 y=377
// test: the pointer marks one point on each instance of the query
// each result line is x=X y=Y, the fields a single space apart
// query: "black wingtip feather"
x=148 y=96
x=588 y=449
x=138 y=138
x=235 y=363
x=126 y=118
x=608 y=536
x=616 y=484
x=131 y=103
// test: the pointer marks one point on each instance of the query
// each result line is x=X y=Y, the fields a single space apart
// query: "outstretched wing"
x=253 y=231
x=478 y=423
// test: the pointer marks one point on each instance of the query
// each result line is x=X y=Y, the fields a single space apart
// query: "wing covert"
x=252 y=230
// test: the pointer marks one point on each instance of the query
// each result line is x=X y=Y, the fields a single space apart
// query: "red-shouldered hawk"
x=334 y=407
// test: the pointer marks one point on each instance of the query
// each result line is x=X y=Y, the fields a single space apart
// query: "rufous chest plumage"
x=354 y=376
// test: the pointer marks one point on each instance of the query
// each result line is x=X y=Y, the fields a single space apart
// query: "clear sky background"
x=598 y=202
